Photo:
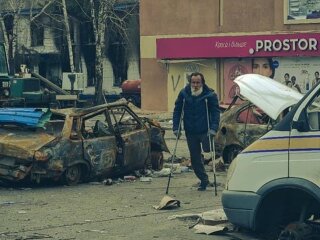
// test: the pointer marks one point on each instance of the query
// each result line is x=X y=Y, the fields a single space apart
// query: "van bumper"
x=240 y=207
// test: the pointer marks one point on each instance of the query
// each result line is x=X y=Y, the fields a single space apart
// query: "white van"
x=276 y=180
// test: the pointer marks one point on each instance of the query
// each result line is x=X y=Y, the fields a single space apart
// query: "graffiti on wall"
x=175 y=82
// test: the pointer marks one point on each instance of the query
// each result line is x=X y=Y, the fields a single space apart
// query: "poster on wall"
x=301 y=11
x=232 y=69
x=302 y=72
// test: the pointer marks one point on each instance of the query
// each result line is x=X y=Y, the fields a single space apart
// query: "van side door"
x=304 y=151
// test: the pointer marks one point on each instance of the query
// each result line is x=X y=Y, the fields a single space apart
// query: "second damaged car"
x=265 y=102
x=76 y=145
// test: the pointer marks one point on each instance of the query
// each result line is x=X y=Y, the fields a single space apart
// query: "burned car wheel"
x=230 y=152
x=72 y=175
x=157 y=160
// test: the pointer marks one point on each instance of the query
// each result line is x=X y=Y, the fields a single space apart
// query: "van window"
x=313 y=113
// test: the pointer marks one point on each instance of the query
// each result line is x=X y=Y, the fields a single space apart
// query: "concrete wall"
x=192 y=18
x=154 y=85
x=178 y=16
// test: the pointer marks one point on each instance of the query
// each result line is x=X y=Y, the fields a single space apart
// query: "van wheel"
x=72 y=175
x=157 y=160
x=230 y=153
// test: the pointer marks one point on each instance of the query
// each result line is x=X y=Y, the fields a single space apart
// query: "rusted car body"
x=243 y=123
x=79 y=144
x=240 y=125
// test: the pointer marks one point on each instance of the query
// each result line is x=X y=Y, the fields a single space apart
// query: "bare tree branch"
x=42 y=10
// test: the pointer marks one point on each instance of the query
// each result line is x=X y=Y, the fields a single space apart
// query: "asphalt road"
x=123 y=210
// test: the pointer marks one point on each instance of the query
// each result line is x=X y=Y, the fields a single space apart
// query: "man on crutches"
x=200 y=119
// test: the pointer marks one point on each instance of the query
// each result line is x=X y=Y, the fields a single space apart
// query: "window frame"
x=37 y=35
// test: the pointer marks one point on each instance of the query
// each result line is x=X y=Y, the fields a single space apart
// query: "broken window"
x=123 y=120
x=95 y=126
x=37 y=35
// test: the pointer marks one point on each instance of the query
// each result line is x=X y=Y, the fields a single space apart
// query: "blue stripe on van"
x=283 y=150
x=282 y=137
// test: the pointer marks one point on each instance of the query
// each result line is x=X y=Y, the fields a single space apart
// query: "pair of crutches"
x=212 y=151
x=211 y=143
x=176 y=145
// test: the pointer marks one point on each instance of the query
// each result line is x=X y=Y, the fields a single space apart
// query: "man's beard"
x=196 y=92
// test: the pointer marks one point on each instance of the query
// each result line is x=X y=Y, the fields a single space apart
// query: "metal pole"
x=212 y=151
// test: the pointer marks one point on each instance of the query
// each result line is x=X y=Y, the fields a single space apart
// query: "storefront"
x=223 y=58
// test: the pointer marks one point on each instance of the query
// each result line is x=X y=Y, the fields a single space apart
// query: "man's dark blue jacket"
x=195 y=112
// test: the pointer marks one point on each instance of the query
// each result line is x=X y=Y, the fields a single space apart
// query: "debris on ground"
x=209 y=222
x=186 y=216
x=301 y=230
x=209 y=229
x=220 y=166
x=129 y=178
x=176 y=167
x=164 y=172
x=107 y=182
x=214 y=222
x=145 y=179
x=167 y=202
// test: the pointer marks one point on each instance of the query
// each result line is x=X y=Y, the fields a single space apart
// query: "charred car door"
x=253 y=123
x=99 y=143
x=133 y=140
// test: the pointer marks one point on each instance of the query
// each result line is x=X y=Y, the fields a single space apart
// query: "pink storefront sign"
x=299 y=44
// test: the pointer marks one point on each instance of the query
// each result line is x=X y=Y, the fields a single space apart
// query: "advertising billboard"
x=301 y=74
x=301 y=11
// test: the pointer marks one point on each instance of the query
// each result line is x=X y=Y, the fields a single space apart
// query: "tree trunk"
x=5 y=36
x=99 y=26
x=66 y=22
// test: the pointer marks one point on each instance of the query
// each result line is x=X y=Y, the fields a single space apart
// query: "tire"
x=230 y=152
x=157 y=160
x=72 y=175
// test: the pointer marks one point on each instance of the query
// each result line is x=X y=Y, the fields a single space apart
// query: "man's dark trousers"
x=194 y=145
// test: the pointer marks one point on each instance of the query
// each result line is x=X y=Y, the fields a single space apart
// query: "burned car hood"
x=270 y=96
x=21 y=131
x=22 y=144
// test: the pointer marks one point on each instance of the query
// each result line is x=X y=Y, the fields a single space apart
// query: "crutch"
x=175 y=147
x=212 y=151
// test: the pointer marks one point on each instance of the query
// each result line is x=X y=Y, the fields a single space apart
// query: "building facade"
x=35 y=36
x=221 y=38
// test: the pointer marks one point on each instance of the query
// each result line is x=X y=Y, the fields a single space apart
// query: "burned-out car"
x=240 y=125
x=77 y=144
x=243 y=123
